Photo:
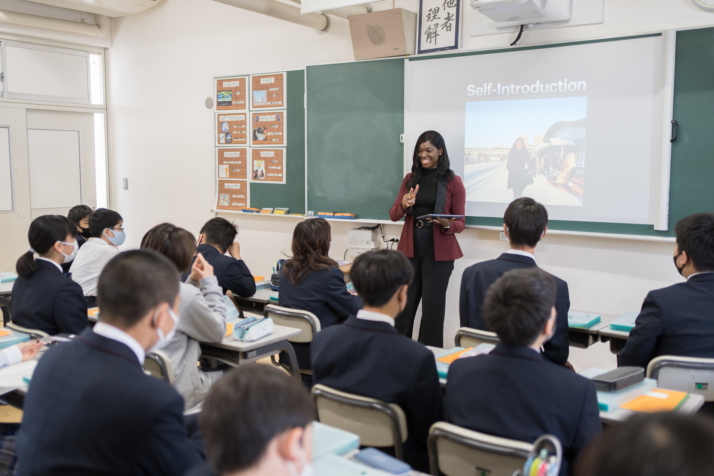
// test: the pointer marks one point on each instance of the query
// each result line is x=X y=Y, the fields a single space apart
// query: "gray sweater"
x=202 y=318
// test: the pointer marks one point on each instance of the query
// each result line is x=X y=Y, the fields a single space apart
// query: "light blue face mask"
x=118 y=238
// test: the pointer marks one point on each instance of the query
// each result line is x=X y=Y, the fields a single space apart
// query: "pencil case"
x=251 y=329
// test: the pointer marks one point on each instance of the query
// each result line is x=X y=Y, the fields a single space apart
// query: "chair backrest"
x=5 y=308
x=32 y=332
x=157 y=364
x=307 y=322
x=377 y=423
x=686 y=374
x=468 y=337
x=455 y=451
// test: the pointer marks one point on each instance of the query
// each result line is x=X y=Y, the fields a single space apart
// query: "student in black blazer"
x=514 y=392
x=367 y=356
x=524 y=223
x=678 y=320
x=91 y=409
x=43 y=298
x=311 y=281
x=217 y=236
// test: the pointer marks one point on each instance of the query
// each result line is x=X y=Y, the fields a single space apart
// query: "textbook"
x=330 y=440
x=609 y=401
x=624 y=322
x=582 y=320
x=657 y=400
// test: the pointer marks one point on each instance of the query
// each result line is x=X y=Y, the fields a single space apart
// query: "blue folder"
x=582 y=320
x=625 y=322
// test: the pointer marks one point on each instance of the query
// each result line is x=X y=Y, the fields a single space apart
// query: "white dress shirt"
x=375 y=316
x=89 y=263
x=118 y=335
x=10 y=355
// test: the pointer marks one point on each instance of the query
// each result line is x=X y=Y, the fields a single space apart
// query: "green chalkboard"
x=355 y=116
x=291 y=194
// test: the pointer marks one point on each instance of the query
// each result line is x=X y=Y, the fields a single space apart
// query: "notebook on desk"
x=609 y=401
x=624 y=322
x=582 y=320
x=330 y=440
x=333 y=465
x=7 y=277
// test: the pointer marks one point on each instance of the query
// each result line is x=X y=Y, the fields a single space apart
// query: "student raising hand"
x=201 y=268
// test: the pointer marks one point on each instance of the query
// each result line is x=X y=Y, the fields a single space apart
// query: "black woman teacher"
x=431 y=246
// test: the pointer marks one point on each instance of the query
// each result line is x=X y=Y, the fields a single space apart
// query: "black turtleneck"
x=426 y=198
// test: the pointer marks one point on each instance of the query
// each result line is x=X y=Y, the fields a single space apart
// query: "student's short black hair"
x=518 y=305
x=378 y=274
x=78 y=212
x=695 y=236
x=245 y=410
x=134 y=282
x=526 y=220
x=219 y=232
x=652 y=444
x=103 y=218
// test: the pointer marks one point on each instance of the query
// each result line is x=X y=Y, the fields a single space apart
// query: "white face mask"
x=306 y=467
x=164 y=339
x=70 y=257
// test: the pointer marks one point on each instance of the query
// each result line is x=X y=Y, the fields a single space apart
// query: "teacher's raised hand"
x=409 y=198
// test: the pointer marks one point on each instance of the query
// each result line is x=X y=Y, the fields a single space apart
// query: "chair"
x=157 y=364
x=34 y=333
x=686 y=374
x=455 y=451
x=377 y=423
x=305 y=321
x=5 y=308
x=468 y=337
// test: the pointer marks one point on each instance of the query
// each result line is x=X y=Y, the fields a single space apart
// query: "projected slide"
x=529 y=147
x=576 y=127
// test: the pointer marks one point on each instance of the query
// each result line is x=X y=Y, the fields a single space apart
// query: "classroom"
x=157 y=136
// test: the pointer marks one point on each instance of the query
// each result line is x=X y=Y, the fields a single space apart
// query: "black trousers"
x=431 y=278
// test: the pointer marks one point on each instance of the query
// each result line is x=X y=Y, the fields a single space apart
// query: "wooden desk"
x=234 y=352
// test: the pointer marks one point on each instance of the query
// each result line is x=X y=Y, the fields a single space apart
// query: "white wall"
x=160 y=71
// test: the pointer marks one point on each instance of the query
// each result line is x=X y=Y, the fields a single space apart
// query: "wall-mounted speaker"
x=383 y=34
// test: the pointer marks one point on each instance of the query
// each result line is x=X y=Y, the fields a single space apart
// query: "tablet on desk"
x=434 y=216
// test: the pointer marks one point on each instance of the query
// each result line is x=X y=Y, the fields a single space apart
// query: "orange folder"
x=5 y=332
x=258 y=278
x=229 y=329
x=449 y=359
x=93 y=312
x=657 y=400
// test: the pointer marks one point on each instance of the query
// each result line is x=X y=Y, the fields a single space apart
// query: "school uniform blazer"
x=450 y=200
x=372 y=359
x=676 y=320
x=233 y=274
x=49 y=301
x=322 y=293
x=514 y=392
x=479 y=277
x=92 y=410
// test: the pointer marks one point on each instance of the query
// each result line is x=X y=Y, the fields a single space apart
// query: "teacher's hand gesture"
x=409 y=198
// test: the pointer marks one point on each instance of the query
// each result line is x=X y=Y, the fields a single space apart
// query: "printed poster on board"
x=232 y=195
x=232 y=128
x=267 y=91
x=267 y=129
x=232 y=163
x=232 y=93
x=268 y=165
x=438 y=25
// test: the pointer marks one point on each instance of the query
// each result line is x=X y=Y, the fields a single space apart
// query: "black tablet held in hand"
x=436 y=216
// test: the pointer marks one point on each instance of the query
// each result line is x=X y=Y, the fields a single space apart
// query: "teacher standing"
x=431 y=187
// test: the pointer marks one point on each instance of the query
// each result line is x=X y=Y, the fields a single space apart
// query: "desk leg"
x=287 y=348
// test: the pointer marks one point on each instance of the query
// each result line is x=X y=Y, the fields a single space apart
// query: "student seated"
x=106 y=227
x=514 y=392
x=79 y=215
x=257 y=421
x=676 y=320
x=202 y=314
x=215 y=240
x=524 y=223
x=311 y=281
x=91 y=409
x=367 y=356
x=19 y=353
x=652 y=444
x=43 y=298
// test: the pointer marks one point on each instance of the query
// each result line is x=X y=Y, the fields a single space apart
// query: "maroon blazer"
x=453 y=196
